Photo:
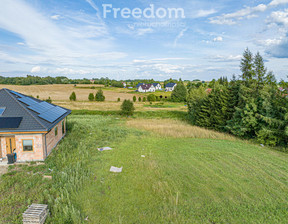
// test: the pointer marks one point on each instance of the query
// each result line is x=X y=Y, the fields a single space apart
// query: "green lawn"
x=178 y=181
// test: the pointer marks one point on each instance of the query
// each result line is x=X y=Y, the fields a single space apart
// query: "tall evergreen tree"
x=179 y=94
x=246 y=67
x=259 y=71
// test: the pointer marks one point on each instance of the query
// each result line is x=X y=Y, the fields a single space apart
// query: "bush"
x=99 y=96
x=144 y=99
x=118 y=100
x=179 y=94
x=139 y=99
x=91 y=97
x=73 y=96
x=49 y=100
x=151 y=98
x=134 y=99
x=127 y=108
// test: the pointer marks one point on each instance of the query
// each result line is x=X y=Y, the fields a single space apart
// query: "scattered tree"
x=179 y=94
x=134 y=99
x=99 y=96
x=127 y=108
x=139 y=99
x=91 y=97
x=49 y=100
x=73 y=96
x=151 y=98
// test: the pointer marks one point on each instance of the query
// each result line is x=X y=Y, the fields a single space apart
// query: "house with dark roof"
x=29 y=127
x=170 y=87
x=145 y=88
x=139 y=84
x=157 y=86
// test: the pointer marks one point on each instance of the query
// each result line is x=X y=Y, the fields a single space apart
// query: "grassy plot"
x=181 y=179
x=187 y=181
x=68 y=166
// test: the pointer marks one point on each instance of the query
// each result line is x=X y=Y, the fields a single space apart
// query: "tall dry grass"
x=176 y=129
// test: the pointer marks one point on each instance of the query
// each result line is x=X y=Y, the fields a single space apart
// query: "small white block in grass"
x=116 y=169
x=104 y=149
x=142 y=156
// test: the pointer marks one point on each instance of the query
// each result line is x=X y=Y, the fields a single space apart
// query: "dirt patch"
x=3 y=170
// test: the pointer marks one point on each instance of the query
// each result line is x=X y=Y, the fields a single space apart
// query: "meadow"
x=59 y=93
x=188 y=175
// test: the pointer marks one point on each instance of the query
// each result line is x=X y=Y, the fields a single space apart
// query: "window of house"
x=2 y=109
x=56 y=131
x=63 y=127
x=27 y=145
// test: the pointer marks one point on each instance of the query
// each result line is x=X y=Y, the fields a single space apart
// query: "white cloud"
x=270 y=42
x=55 y=17
x=278 y=2
x=205 y=13
x=279 y=18
x=36 y=69
x=81 y=40
x=179 y=36
x=141 y=32
x=245 y=13
x=226 y=58
x=231 y=18
x=218 y=39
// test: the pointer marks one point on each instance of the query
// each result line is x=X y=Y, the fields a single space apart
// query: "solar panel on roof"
x=41 y=107
x=15 y=93
x=46 y=105
x=2 y=109
x=37 y=108
x=52 y=114
x=28 y=101
x=10 y=122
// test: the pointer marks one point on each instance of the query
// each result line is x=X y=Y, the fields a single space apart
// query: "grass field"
x=197 y=176
x=61 y=92
x=60 y=96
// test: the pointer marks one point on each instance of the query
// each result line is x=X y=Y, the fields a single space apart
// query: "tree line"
x=251 y=106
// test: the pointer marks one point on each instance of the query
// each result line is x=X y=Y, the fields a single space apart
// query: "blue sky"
x=72 y=38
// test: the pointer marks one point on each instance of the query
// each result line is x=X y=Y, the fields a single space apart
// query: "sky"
x=140 y=39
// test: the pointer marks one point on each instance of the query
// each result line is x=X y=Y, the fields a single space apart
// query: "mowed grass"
x=181 y=179
x=186 y=180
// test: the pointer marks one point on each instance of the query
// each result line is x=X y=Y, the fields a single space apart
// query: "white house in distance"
x=157 y=86
x=170 y=87
x=145 y=88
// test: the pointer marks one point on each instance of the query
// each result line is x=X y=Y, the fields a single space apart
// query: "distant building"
x=139 y=84
x=170 y=87
x=157 y=86
x=209 y=90
x=124 y=84
x=145 y=88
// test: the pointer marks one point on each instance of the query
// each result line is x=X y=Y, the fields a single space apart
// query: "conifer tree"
x=247 y=67
x=91 y=97
x=73 y=96
x=99 y=95
x=179 y=94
